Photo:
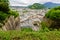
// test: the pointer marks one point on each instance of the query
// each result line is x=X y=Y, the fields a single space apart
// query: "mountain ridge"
x=51 y=4
x=47 y=5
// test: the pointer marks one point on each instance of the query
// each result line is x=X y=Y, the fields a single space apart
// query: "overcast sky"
x=29 y=2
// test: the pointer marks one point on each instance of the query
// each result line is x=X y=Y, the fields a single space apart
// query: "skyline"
x=29 y=2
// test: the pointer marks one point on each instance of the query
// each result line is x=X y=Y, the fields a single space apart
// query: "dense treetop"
x=3 y=0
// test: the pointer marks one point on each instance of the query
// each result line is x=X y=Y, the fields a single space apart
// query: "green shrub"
x=3 y=16
x=44 y=26
x=13 y=13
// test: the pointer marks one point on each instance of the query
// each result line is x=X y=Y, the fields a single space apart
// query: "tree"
x=54 y=14
x=4 y=0
x=4 y=5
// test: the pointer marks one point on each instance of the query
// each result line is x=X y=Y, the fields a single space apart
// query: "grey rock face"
x=30 y=17
x=12 y=24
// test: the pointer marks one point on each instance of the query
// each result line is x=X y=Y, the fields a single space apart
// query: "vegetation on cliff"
x=5 y=11
x=54 y=15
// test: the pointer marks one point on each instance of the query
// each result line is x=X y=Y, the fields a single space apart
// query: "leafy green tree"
x=4 y=5
x=54 y=14
x=4 y=0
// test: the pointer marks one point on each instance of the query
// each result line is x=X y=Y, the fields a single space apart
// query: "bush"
x=13 y=13
x=3 y=16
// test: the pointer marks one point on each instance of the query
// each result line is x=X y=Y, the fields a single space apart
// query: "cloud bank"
x=29 y=2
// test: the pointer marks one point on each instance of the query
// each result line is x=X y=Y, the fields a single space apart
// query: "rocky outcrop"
x=12 y=23
x=32 y=18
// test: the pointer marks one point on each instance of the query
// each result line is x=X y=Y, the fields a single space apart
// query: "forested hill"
x=36 y=6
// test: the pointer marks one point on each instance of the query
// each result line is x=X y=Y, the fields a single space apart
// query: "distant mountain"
x=51 y=5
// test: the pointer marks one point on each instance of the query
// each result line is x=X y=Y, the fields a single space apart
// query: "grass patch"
x=29 y=35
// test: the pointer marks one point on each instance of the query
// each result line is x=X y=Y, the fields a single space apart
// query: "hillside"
x=36 y=6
